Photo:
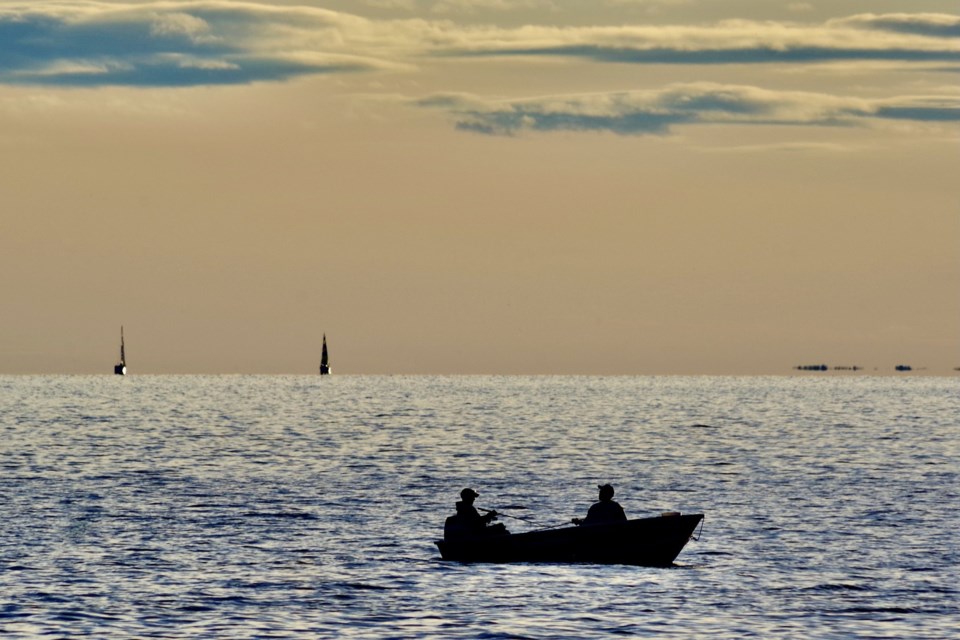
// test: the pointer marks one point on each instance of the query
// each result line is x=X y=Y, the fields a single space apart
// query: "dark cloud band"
x=211 y=42
x=710 y=56
x=169 y=44
x=656 y=112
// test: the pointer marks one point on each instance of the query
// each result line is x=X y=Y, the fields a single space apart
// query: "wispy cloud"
x=927 y=24
x=471 y=6
x=915 y=37
x=169 y=43
x=176 y=43
x=655 y=112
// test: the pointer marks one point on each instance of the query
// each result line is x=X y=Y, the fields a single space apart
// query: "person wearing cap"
x=605 y=511
x=469 y=516
x=468 y=521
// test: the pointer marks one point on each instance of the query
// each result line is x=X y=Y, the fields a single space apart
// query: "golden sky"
x=479 y=186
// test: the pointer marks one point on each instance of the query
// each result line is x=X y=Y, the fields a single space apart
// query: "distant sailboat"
x=121 y=367
x=324 y=358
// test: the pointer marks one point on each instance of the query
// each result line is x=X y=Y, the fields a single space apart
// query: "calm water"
x=280 y=507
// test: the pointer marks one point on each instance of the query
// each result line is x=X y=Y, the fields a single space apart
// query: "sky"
x=612 y=187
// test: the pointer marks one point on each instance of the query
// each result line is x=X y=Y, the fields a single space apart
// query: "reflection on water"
x=234 y=506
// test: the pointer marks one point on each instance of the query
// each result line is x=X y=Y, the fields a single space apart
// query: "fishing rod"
x=528 y=521
x=507 y=515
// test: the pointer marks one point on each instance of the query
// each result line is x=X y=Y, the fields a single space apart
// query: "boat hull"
x=649 y=542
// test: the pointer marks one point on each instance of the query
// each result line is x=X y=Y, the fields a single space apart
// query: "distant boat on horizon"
x=120 y=368
x=324 y=358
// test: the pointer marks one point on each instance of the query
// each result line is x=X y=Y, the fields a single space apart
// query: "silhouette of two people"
x=606 y=511
x=469 y=522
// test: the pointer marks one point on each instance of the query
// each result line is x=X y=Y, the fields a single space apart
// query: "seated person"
x=468 y=521
x=604 y=512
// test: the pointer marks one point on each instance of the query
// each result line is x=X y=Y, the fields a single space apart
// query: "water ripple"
x=290 y=507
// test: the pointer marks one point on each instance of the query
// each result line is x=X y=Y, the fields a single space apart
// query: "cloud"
x=927 y=24
x=933 y=109
x=209 y=42
x=787 y=147
x=655 y=112
x=907 y=37
x=175 y=43
x=471 y=6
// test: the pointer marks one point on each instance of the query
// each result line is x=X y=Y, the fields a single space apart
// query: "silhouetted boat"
x=121 y=367
x=324 y=358
x=647 y=542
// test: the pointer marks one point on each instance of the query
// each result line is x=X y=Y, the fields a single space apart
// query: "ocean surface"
x=307 y=507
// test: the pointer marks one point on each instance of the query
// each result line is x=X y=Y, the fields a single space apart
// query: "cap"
x=468 y=492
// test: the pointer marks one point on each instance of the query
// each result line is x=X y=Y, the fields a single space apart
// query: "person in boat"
x=605 y=511
x=468 y=521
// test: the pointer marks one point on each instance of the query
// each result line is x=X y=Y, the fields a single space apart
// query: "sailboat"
x=121 y=367
x=324 y=358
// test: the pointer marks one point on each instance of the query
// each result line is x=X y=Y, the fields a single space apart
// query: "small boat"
x=324 y=358
x=120 y=368
x=645 y=542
